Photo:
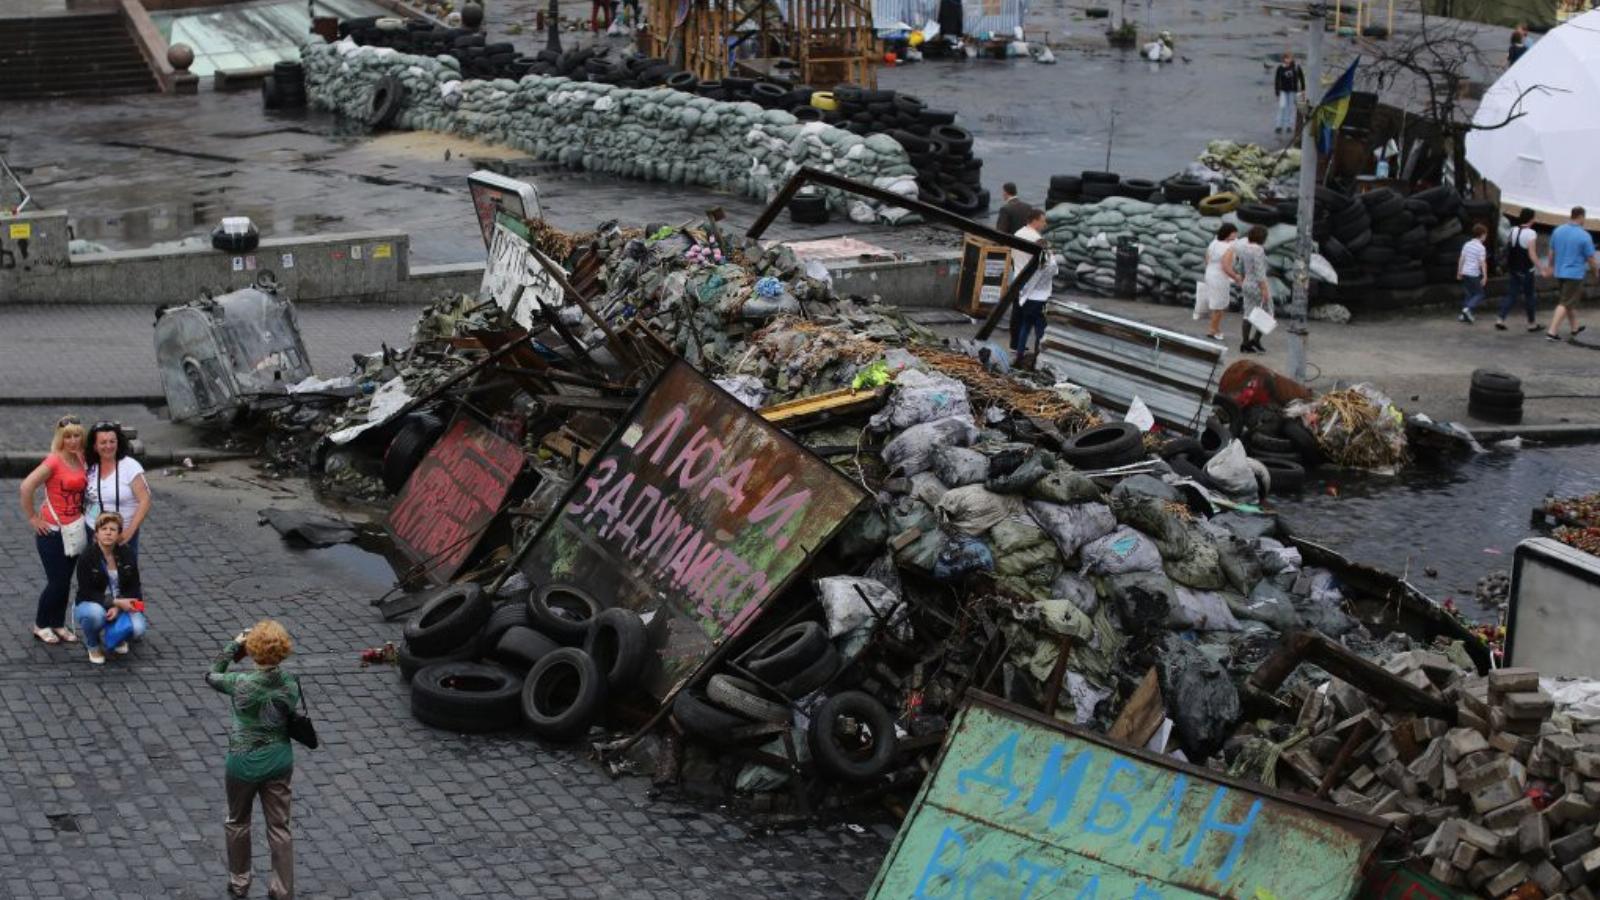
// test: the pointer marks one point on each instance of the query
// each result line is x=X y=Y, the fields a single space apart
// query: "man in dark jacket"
x=1289 y=81
x=1013 y=212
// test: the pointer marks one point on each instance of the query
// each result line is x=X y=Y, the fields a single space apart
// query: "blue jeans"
x=1286 y=110
x=58 y=566
x=92 y=620
x=1472 y=288
x=1520 y=284
x=1030 y=322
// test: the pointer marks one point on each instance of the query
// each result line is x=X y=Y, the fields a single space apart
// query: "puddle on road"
x=368 y=567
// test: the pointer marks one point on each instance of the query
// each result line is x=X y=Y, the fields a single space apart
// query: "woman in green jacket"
x=260 y=757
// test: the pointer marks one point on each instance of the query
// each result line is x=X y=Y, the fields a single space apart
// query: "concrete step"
x=70 y=56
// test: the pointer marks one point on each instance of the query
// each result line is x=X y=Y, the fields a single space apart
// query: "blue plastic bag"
x=117 y=630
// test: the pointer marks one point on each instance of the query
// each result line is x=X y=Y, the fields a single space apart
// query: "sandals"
x=45 y=635
x=66 y=636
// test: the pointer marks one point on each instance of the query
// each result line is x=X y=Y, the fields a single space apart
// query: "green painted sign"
x=1021 y=806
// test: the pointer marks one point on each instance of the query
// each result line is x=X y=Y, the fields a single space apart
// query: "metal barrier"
x=22 y=205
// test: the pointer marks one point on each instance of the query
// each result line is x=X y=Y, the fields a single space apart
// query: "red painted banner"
x=453 y=496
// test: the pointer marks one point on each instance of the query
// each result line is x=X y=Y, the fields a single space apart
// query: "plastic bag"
x=959 y=466
x=962 y=555
x=927 y=487
x=912 y=450
x=975 y=509
x=1065 y=486
x=1200 y=611
x=851 y=603
x=1023 y=550
x=1141 y=599
x=1072 y=525
x=1014 y=471
x=922 y=397
x=1123 y=550
x=1230 y=469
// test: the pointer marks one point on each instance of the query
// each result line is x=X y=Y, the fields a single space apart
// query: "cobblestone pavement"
x=113 y=354
x=111 y=784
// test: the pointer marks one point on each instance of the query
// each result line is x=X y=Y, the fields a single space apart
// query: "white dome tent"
x=1545 y=159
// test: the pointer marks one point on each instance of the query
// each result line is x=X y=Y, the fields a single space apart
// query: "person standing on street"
x=1522 y=264
x=1220 y=277
x=57 y=525
x=1035 y=295
x=1252 y=260
x=116 y=483
x=1519 y=44
x=108 y=587
x=1472 y=270
x=1290 y=82
x=1013 y=212
x=1571 y=257
x=260 y=757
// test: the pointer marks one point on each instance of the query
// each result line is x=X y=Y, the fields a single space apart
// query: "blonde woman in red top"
x=63 y=476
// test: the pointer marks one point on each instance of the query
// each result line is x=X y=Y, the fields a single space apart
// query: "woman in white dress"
x=1219 y=277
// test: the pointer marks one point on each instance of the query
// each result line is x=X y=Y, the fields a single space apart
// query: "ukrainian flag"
x=1329 y=114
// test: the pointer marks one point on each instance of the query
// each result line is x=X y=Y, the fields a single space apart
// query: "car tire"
x=1304 y=442
x=1219 y=204
x=563 y=612
x=814 y=676
x=563 y=695
x=1268 y=444
x=1501 y=399
x=1287 y=477
x=1495 y=380
x=1257 y=214
x=698 y=717
x=1104 y=446
x=503 y=617
x=387 y=99
x=620 y=645
x=521 y=648
x=1093 y=177
x=1499 y=415
x=410 y=663
x=1227 y=410
x=411 y=443
x=828 y=748
x=1214 y=437
x=473 y=698
x=452 y=619
x=737 y=695
x=786 y=652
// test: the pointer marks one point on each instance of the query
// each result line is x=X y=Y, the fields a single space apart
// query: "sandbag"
x=960 y=466
x=906 y=514
x=1077 y=590
x=1123 y=550
x=962 y=555
x=1023 y=550
x=974 y=509
x=1200 y=697
x=851 y=603
x=922 y=397
x=1200 y=611
x=1271 y=605
x=911 y=451
x=1230 y=469
x=927 y=487
x=1072 y=525
x=1142 y=599
x=1065 y=486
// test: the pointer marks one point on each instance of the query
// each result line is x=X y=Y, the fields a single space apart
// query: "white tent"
x=1546 y=158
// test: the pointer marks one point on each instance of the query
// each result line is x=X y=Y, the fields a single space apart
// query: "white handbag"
x=74 y=539
x=1262 y=319
x=1202 y=299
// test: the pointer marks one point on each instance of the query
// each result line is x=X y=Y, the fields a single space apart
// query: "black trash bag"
x=1200 y=698
x=1141 y=599
x=1271 y=605
x=1145 y=486
x=301 y=528
x=1248 y=527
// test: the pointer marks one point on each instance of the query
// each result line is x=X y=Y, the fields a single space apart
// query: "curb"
x=1564 y=433
x=62 y=400
x=18 y=463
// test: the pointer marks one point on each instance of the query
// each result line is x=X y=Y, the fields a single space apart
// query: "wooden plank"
x=1142 y=715
x=837 y=402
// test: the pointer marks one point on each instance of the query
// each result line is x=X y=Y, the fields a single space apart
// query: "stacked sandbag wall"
x=656 y=134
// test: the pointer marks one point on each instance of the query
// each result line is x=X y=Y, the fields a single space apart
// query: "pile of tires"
x=1104 y=447
x=850 y=733
x=1495 y=396
x=1092 y=186
x=1387 y=241
x=547 y=661
x=1284 y=450
x=285 y=88
x=948 y=174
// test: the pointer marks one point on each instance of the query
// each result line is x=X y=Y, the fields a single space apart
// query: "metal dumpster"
x=218 y=355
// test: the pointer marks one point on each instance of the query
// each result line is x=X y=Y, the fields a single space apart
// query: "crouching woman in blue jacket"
x=108 y=587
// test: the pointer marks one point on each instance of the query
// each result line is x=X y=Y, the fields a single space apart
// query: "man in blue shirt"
x=1572 y=255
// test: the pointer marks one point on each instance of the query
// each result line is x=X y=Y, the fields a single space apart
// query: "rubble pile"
x=1252 y=171
x=657 y=134
x=1496 y=792
x=1574 y=521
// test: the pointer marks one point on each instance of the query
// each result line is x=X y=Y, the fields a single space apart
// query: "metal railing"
x=10 y=176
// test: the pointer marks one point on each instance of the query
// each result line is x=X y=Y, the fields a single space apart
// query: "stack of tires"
x=1495 y=396
x=1104 y=447
x=1092 y=186
x=285 y=88
x=948 y=175
x=547 y=661
x=1284 y=450
x=1388 y=241
x=851 y=734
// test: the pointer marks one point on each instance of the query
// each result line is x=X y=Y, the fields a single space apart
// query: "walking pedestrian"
x=1220 y=278
x=1519 y=44
x=1013 y=212
x=1522 y=263
x=116 y=483
x=108 y=587
x=1289 y=81
x=57 y=524
x=1472 y=270
x=1035 y=295
x=260 y=757
x=1571 y=257
x=1252 y=262
x=597 y=8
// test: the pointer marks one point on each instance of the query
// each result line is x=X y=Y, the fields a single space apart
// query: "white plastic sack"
x=1230 y=469
x=1071 y=525
x=1139 y=414
x=922 y=397
x=1120 y=552
x=912 y=450
x=851 y=603
x=1200 y=610
x=747 y=389
x=975 y=509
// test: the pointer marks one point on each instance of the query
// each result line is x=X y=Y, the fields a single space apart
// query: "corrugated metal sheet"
x=1021 y=805
x=1117 y=359
x=248 y=36
x=887 y=14
x=999 y=17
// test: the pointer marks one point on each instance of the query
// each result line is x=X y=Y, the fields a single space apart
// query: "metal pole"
x=1303 y=246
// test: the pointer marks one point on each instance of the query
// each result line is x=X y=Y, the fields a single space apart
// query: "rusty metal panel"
x=1020 y=805
x=453 y=496
x=694 y=513
x=1116 y=359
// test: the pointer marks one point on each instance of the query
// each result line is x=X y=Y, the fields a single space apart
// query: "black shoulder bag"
x=299 y=727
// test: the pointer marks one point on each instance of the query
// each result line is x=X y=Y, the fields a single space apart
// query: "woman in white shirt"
x=116 y=483
x=1219 y=277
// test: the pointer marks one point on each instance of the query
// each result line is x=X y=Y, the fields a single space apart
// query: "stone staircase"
x=87 y=55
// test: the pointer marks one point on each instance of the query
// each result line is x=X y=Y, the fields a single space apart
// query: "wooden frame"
x=829 y=41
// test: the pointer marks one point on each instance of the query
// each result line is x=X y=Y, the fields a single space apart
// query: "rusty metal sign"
x=694 y=513
x=453 y=495
x=1023 y=806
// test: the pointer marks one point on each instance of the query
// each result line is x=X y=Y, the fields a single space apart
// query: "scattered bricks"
x=1485 y=869
x=1482 y=838
x=1548 y=877
x=1304 y=765
x=1443 y=841
x=1533 y=837
x=1526 y=705
x=1508 y=879
x=1466 y=718
x=1513 y=681
x=1446 y=874
x=1541 y=766
x=1500 y=720
x=1591 y=865
x=1580 y=892
x=1436 y=816
x=1473 y=695
x=1493 y=795
x=1419 y=679
x=1572 y=873
x=1441 y=670
x=1570 y=848
x=1586 y=763
x=1591 y=792
x=1514 y=744
x=1362 y=778
x=1325 y=747
x=1465 y=856
x=1510 y=815
x=1393 y=774
x=1450 y=783
x=1571 y=782
x=1499 y=769
x=1572 y=809
x=1347 y=699
x=1425 y=730
x=1429 y=767
x=1461 y=741
x=1311 y=710
x=1561 y=746
x=1383 y=750
x=1343 y=796
x=1415 y=806
x=1388 y=803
